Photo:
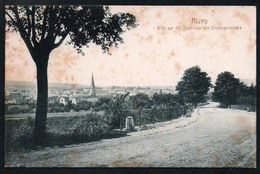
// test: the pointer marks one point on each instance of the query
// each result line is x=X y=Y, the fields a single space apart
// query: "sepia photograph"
x=110 y=86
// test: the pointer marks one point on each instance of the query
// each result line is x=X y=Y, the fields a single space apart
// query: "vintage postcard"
x=130 y=86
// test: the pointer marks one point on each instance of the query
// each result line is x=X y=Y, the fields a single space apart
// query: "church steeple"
x=93 y=88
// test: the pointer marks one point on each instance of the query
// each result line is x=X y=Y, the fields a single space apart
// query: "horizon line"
x=56 y=83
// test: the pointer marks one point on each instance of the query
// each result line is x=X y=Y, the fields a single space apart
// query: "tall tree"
x=44 y=28
x=226 y=89
x=194 y=85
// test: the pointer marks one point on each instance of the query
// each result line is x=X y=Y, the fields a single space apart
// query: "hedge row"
x=79 y=129
x=60 y=131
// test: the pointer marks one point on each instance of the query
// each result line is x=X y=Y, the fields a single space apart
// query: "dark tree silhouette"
x=103 y=100
x=252 y=90
x=226 y=89
x=141 y=100
x=44 y=28
x=165 y=100
x=194 y=85
x=247 y=95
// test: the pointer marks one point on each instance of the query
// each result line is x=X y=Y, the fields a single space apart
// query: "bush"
x=14 y=110
x=20 y=137
x=247 y=100
x=26 y=132
x=60 y=131
x=77 y=129
x=104 y=107
x=91 y=127
x=222 y=105
x=59 y=109
x=153 y=115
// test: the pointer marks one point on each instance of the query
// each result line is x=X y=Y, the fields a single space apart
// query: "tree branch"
x=57 y=23
x=12 y=19
x=51 y=24
x=33 y=27
x=60 y=41
x=44 y=22
x=29 y=22
x=60 y=17
x=23 y=33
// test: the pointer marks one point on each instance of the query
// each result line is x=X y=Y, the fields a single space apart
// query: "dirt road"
x=211 y=137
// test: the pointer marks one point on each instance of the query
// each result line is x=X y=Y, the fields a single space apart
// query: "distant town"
x=21 y=97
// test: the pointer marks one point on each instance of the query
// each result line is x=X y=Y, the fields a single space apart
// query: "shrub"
x=22 y=136
x=247 y=100
x=154 y=115
x=26 y=132
x=14 y=110
x=61 y=131
x=222 y=105
x=76 y=129
x=104 y=106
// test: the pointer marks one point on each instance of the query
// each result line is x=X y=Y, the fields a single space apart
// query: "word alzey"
x=199 y=21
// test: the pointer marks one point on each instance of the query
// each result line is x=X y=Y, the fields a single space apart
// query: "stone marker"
x=188 y=114
x=129 y=123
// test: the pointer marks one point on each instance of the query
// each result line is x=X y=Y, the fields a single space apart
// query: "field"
x=211 y=137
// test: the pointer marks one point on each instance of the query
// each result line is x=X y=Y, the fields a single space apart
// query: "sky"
x=167 y=41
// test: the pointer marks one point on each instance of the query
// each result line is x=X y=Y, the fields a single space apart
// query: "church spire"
x=93 y=88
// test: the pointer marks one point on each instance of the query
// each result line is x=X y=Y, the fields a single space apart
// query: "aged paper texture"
x=152 y=60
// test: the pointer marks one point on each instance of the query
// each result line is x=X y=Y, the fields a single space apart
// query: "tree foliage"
x=194 y=85
x=140 y=100
x=227 y=88
x=247 y=95
x=103 y=103
x=166 y=100
x=103 y=100
x=48 y=26
x=116 y=108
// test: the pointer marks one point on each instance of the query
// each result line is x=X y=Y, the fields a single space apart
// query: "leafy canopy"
x=141 y=100
x=226 y=89
x=165 y=100
x=48 y=26
x=194 y=85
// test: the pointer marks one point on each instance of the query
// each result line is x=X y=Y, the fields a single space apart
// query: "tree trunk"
x=39 y=134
